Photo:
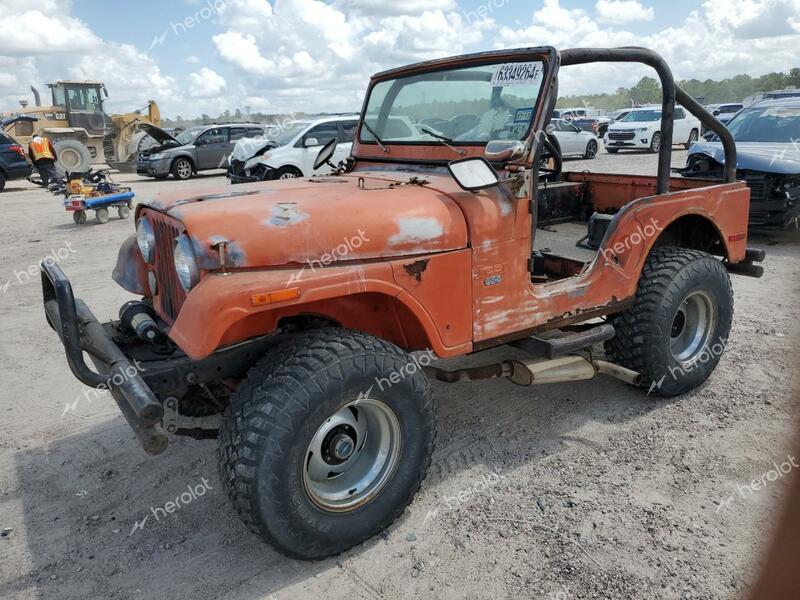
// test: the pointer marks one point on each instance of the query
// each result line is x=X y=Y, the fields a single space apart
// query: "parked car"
x=14 y=163
x=573 y=140
x=723 y=112
x=197 y=149
x=619 y=114
x=767 y=138
x=288 y=152
x=588 y=119
x=640 y=129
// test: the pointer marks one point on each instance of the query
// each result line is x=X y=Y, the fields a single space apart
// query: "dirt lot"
x=587 y=490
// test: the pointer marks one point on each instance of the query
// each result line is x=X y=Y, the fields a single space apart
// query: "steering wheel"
x=551 y=150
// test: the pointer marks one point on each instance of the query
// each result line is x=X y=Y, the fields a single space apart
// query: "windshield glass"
x=187 y=136
x=469 y=105
x=766 y=124
x=641 y=116
x=284 y=133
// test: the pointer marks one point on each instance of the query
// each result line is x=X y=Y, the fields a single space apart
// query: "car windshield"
x=767 y=124
x=187 y=136
x=641 y=116
x=469 y=105
x=284 y=133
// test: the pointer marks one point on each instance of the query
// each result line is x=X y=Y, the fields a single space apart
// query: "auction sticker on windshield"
x=517 y=74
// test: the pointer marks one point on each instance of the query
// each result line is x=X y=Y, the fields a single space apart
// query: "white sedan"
x=573 y=140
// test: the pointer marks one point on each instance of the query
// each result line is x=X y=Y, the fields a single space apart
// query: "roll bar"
x=670 y=93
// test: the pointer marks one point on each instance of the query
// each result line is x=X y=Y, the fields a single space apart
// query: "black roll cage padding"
x=670 y=94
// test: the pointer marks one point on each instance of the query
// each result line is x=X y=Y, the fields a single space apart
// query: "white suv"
x=640 y=129
x=289 y=150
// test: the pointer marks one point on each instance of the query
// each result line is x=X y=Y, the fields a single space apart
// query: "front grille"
x=759 y=186
x=621 y=135
x=169 y=296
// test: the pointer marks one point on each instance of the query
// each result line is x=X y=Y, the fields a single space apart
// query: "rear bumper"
x=17 y=171
x=80 y=331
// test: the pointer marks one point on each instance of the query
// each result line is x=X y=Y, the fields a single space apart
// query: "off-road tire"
x=643 y=332
x=655 y=143
x=277 y=409
x=591 y=150
x=179 y=168
x=287 y=173
x=75 y=149
x=694 y=135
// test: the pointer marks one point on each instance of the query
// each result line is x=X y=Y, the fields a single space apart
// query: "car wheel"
x=316 y=452
x=693 y=136
x=591 y=150
x=288 y=173
x=655 y=143
x=101 y=216
x=182 y=168
x=676 y=331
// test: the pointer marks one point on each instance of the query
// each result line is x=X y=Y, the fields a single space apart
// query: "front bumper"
x=80 y=332
x=153 y=168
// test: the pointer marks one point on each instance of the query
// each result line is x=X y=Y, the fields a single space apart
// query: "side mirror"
x=504 y=150
x=310 y=142
x=473 y=174
x=325 y=155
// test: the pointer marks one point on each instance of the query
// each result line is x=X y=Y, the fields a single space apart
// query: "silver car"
x=196 y=149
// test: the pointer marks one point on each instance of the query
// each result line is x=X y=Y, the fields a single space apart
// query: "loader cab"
x=83 y=105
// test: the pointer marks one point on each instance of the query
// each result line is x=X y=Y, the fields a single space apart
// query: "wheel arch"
x=188 y=157
x=693 y=231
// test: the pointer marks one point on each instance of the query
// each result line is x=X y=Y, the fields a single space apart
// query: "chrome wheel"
x=655 y=144
x=352 y=455
x=288 y=175
x=692 y=327
x=183 y=169
x=591 y=150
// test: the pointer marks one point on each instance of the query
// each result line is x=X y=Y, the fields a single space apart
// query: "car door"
x=347 y=135
x=212 y=147
x=317 y=136
x=565 y=133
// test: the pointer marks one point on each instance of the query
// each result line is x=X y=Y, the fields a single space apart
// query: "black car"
x=13 y=160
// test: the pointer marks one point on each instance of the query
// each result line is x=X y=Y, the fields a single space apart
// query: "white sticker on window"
x=517 y=74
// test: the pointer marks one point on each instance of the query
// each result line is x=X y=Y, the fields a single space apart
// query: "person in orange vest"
x=44 y=158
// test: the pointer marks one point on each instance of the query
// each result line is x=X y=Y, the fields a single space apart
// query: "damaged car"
x=196 y=149
x=288 y=150
x=767 y=136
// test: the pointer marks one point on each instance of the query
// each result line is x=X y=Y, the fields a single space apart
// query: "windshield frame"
x=417 y=151
x=198 y=129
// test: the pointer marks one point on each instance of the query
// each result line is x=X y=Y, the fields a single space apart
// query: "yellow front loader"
x=81 y=132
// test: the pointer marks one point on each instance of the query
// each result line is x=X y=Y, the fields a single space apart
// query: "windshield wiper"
x=445 y=140
x=375 y=135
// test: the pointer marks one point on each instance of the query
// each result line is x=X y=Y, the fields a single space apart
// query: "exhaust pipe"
x=540 y=371
x=37 y=99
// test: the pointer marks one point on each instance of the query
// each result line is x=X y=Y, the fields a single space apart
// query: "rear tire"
x=124 y=211
x=2 y=181
x=676 y=332
x=73 y=157
x=320 y=390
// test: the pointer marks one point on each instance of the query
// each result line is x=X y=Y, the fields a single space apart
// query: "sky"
x=288 y=56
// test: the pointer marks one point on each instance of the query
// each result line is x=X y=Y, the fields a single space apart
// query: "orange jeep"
x=279 y=317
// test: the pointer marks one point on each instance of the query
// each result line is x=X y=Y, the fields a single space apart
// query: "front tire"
x=693 y=136
x=326 y=441
x=591 y=150
x=655 y=143
x=677 y=330
x=182 y=168
x=288 y=173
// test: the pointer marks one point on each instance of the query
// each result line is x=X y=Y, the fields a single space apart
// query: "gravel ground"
x=585 y=490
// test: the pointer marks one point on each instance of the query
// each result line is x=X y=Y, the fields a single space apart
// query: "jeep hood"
x=319 y=221
x=778 y=158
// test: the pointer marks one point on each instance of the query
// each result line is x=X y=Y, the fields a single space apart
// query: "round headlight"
x=146 y=238
x=186 y=263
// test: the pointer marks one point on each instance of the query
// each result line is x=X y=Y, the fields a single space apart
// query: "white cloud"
x=192 y=59
x=623 y=11
x=205 y=83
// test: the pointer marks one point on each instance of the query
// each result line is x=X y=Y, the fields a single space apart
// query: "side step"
x=567 y=343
